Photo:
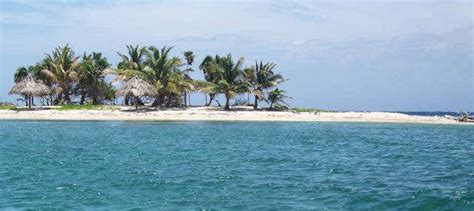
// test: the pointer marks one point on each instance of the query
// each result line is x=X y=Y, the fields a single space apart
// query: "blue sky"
x=345 y=55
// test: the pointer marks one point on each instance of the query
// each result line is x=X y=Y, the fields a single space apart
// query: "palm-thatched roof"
x=136 y=87
x=31 y=87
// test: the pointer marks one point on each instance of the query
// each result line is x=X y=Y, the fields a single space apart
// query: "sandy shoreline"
x=214 y=114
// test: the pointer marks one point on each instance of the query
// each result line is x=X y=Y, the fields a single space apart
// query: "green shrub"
x=86 y=107
x=7 y=107
x=310 y=110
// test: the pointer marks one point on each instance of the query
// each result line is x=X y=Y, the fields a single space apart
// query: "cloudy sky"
x=347 y=55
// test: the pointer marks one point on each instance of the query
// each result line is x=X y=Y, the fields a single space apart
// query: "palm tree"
x=212 y=75
x=260 y=78
x=189 y=57
x=61 y=69
x=21 y=73
x=67 y=76
x=92 y=77
x=230 y=82
x=276 y=98
x=132 y=64
x=208 y=88
x=177 y=84
x=162 y=70
x=134 y=58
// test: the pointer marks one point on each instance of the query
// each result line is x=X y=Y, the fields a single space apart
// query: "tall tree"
x=189 y=57
x=225 y=74
x=61 y=69
x=32 y=70
x=91 y=81
x=163 y=70
x=133 y=60
x=261 y=78
x=231 y=82
x=212 y=75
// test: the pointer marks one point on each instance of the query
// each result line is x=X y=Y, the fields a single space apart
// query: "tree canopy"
x=92 y=79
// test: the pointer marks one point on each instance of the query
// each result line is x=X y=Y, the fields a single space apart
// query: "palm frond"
x=50 y=75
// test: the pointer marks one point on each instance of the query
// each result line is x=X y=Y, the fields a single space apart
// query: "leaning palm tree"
x=136 y=87
x=178 y=84
x=212 y=75
x=226 y=75
x=260 y=78
x=276 y=99
x=189 y=57
x=30 y=87
x=207 y=88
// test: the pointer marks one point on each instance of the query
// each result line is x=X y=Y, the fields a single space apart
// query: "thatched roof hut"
x=30 y=87
x=136 y=87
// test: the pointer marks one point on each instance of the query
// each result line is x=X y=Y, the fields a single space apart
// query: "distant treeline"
x=82 y=79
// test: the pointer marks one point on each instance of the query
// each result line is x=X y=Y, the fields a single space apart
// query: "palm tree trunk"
x=95 y=101
x=29 y=101
x=189 y=98
x=227 y=103
x=67 y=99
x=95 y=93
x=185 y=98
x=158 y=100
x=83 y=98
x=211 y=98
x=58 y=99
x=255 y=103
x=155 y=103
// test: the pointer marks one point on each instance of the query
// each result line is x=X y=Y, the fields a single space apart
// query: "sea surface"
x=432 y=113
x=235 y=165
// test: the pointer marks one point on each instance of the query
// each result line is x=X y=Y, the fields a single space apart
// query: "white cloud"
x=315 y=43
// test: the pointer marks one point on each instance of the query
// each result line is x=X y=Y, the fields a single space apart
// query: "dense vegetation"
x=82 y=79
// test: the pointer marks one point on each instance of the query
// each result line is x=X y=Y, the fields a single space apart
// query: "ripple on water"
x=235 y=165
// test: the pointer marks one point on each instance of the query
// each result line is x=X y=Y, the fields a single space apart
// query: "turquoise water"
x=239 y=165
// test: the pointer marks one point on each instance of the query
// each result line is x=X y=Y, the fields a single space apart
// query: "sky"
x=405 y=55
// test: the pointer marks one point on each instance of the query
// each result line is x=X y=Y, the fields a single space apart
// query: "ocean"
x=235 y=165
x=432 y=113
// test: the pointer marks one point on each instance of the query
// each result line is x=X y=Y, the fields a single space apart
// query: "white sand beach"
x=217 y=114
